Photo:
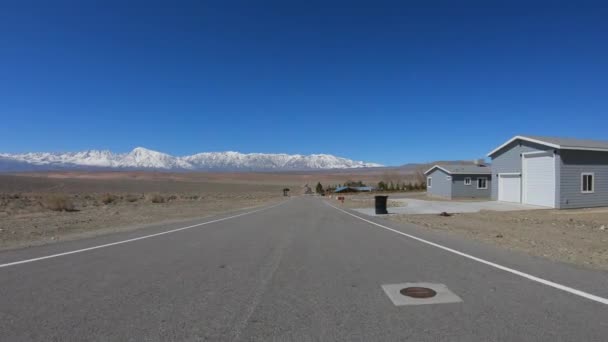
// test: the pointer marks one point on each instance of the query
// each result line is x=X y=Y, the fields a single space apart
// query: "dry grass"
x=37 y=210
x=59 y=202
x=578 y=236
x=141 y=181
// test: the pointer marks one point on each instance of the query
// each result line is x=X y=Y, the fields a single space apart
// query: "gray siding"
x=455 y=188
x=459 y=190
x=509 y=160
x=558 y=177
x=571 y=165
x=440 y=186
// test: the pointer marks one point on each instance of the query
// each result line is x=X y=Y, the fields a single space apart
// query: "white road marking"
x=489 y=263
x=134 y=239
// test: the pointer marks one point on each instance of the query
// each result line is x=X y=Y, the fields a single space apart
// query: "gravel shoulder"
x=575 y=236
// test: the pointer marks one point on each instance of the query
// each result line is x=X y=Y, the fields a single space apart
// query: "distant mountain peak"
x=143 y=158
x=141 y=149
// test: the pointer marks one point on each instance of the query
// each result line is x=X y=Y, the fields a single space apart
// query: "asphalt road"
x=301 y=271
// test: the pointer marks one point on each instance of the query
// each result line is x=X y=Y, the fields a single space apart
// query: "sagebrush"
x=59 y=203
x=108 y=198
x=131 y=198
x=157 y=198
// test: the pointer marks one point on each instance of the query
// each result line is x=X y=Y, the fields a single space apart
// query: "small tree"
x=319 y=188
x=353 y=183
x=381 y=186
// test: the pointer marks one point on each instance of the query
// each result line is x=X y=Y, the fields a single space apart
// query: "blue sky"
x=389 y=82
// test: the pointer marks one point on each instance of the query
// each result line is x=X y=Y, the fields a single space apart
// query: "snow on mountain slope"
x=142 y=158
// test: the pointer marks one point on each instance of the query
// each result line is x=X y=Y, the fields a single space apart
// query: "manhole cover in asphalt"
x=418 y=292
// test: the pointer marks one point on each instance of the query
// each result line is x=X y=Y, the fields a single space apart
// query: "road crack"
x=267 y=272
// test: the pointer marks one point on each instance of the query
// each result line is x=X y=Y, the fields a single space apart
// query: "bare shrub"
x=59 y=203
x=18 y=205
x=108 y=198
x=420 y=177
x=171 y=198
x=157 y=198
x=131 y=198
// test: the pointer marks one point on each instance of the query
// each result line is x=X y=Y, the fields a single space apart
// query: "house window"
x=587 y=183
x=467 y=180
x=428 y=182
x=482 y=183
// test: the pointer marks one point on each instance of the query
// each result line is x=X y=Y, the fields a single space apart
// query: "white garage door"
x=538 y=177
x=509 y=188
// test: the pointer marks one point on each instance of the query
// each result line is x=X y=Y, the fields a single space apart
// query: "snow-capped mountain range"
x=142 y=158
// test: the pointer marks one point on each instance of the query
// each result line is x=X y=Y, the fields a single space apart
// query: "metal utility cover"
x=444 y=295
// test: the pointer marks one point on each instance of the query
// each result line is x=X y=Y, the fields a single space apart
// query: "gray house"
x=551 y=172
x=459 y=181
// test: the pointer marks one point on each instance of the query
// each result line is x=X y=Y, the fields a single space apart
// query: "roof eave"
x=455 y=173
x=584 y=148
x=519 y=137
x=472 y=173
x=437 y=167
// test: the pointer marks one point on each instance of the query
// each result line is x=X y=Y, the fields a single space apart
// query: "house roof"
x=461 y=169
x=558 y=143
x=355 y=188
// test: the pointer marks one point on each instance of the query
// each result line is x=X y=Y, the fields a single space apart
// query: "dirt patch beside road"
x=38 y=225
x=576 y=236
x=36 y=211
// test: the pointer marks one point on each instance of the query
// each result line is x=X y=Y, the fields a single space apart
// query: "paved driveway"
x=416 y=206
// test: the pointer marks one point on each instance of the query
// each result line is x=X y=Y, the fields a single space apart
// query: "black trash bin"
x=381 y=205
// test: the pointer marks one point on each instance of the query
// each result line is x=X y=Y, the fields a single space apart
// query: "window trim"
x=486 y=182
x=469 y=183
x=583 y=174
x=429 y=182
